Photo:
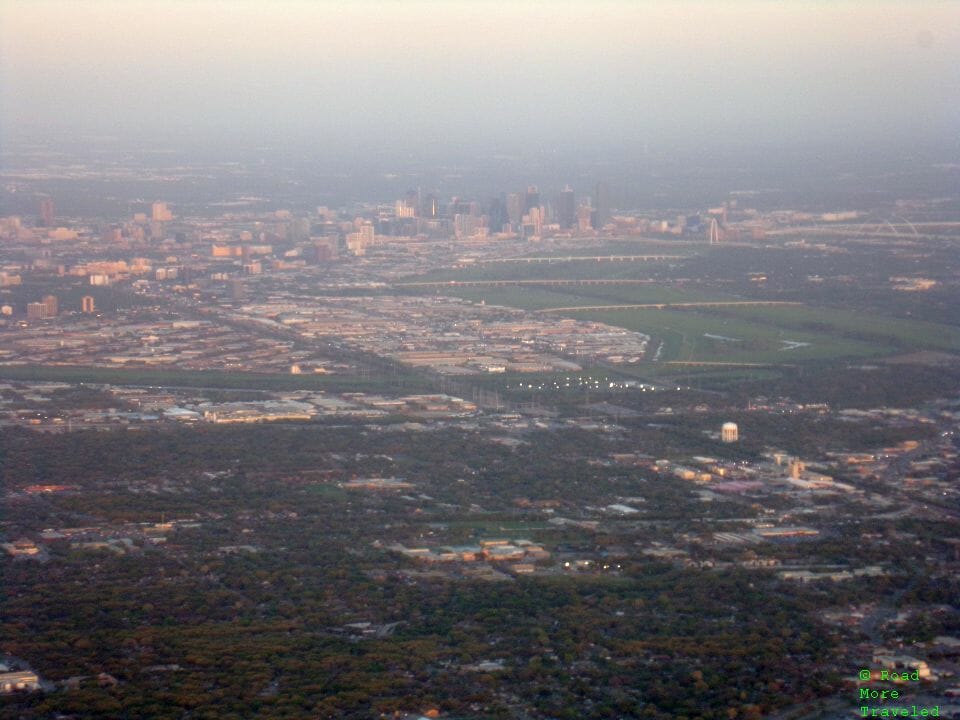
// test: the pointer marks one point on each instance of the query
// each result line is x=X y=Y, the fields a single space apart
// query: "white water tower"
x=729 y=432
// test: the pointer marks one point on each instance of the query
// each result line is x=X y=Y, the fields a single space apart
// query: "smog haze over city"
x=479 y=359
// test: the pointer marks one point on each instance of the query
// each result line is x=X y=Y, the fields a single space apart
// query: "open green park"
x=542 y=297
x=899 y=333
x=692 y=330
x=693 y=335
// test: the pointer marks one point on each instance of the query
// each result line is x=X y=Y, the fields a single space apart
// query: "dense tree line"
x=188 y=629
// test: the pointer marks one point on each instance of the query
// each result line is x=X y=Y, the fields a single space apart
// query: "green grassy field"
x=775 y=335
x=906 y=335
x=756 y=334
x=685 y=335
x=539 y=298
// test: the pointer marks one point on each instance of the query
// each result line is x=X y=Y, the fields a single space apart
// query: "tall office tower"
x=367 y=233
x=466 y=226
x=458 y=206
x=532 y=199
x=36 y=311
x=515 y=209
x=430 y=207
x=496 y=214
x=87 y=304
x=47 y=218
x=533 y=223
x=601 y=203
x=359 y=241
x=566 y=208
x=51 y=306
x=584 y=218
x=412 y=200
x=159 y=212
x=537 y=215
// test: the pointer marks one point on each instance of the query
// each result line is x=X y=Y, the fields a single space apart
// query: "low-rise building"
x=22 y=681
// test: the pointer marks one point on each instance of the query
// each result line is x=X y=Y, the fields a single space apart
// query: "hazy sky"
x=483 y=73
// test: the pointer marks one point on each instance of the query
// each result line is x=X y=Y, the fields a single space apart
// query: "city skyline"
x=541 y=360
